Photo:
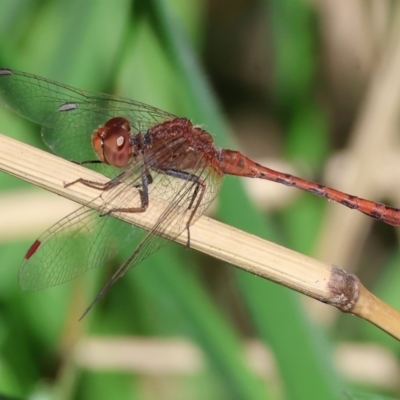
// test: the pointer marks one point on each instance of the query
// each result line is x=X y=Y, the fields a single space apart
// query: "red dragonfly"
x=137 y=145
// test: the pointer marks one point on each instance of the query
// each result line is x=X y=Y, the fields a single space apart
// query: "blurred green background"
x=289 y=84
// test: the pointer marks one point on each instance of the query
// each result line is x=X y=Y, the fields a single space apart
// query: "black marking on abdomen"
x=375 y=214
x=348 y=204
x=285 y=182
x=319 y=192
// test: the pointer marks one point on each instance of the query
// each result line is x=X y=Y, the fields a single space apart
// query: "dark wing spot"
x=32 y=249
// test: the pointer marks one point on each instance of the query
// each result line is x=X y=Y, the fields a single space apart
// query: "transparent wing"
x=85 y=239
x=77 y=243
x=178 y=210
x=68 y=115
x=175 y=218
x=81 y=241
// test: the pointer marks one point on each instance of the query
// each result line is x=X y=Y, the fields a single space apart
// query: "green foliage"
x=151 y=51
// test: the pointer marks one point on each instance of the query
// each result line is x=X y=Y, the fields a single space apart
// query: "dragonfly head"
x=111 y=142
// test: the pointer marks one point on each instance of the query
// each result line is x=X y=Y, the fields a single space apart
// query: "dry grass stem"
x=318 y=280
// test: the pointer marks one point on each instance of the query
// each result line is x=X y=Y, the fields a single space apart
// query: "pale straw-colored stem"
x=316 y=279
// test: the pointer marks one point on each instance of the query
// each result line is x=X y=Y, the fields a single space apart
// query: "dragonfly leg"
x=87 y=162
x=144 y=195
x=198 y=193
x=98 y=185
x=149 y=180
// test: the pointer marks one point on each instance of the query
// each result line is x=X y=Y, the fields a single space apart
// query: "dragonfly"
x=135 y=145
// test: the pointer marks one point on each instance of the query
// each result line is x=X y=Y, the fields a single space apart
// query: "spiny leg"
x=199 y=184
x=144 y=195
x=146 y=180
x=98 y=185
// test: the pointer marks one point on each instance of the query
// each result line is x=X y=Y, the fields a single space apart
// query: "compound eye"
x=112 y=142
x=116 y=147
